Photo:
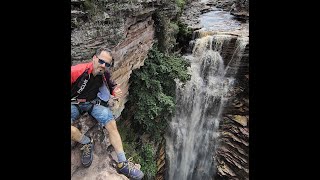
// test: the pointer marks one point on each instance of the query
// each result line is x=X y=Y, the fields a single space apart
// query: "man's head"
x=101 y=60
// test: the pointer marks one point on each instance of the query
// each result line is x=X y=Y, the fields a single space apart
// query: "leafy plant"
x=148 y=165
x=152 y=91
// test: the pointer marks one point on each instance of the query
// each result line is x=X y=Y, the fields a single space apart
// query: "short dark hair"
x=99 y=50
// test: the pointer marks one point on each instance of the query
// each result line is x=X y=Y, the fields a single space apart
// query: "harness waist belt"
x=95 y=101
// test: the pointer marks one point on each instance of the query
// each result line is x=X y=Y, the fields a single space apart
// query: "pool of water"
x=218 y=20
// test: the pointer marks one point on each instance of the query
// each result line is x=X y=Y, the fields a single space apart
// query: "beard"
x=100 y=71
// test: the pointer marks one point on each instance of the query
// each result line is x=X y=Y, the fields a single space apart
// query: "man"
x=90 y=92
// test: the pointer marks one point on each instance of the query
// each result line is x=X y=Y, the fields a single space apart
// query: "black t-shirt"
x=92 y=88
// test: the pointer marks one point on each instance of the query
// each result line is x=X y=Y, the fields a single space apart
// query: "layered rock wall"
x=127 y=28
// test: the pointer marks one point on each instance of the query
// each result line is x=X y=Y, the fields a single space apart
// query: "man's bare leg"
x=114 y=136
x=75 y=134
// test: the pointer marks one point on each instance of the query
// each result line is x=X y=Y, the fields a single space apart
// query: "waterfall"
x=192 y=136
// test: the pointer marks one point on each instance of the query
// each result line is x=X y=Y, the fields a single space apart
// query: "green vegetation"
x=166 y=32
x=172 y=35
x=184 y=36
x=142 y=153
x=91 y=7
x=151 y=100
x=181 y=4
x=151 y=105
x=148 y=162
x=152 y=91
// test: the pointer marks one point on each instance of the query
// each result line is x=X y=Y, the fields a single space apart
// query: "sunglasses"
x=103 y=62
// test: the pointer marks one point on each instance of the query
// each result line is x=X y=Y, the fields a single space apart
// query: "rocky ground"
x=104 y=156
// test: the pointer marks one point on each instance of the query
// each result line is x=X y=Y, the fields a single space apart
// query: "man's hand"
x=117 y=92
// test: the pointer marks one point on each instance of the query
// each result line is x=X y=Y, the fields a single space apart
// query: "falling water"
x=191 y=139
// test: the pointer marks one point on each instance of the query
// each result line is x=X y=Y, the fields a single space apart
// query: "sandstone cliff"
x=127 y=28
